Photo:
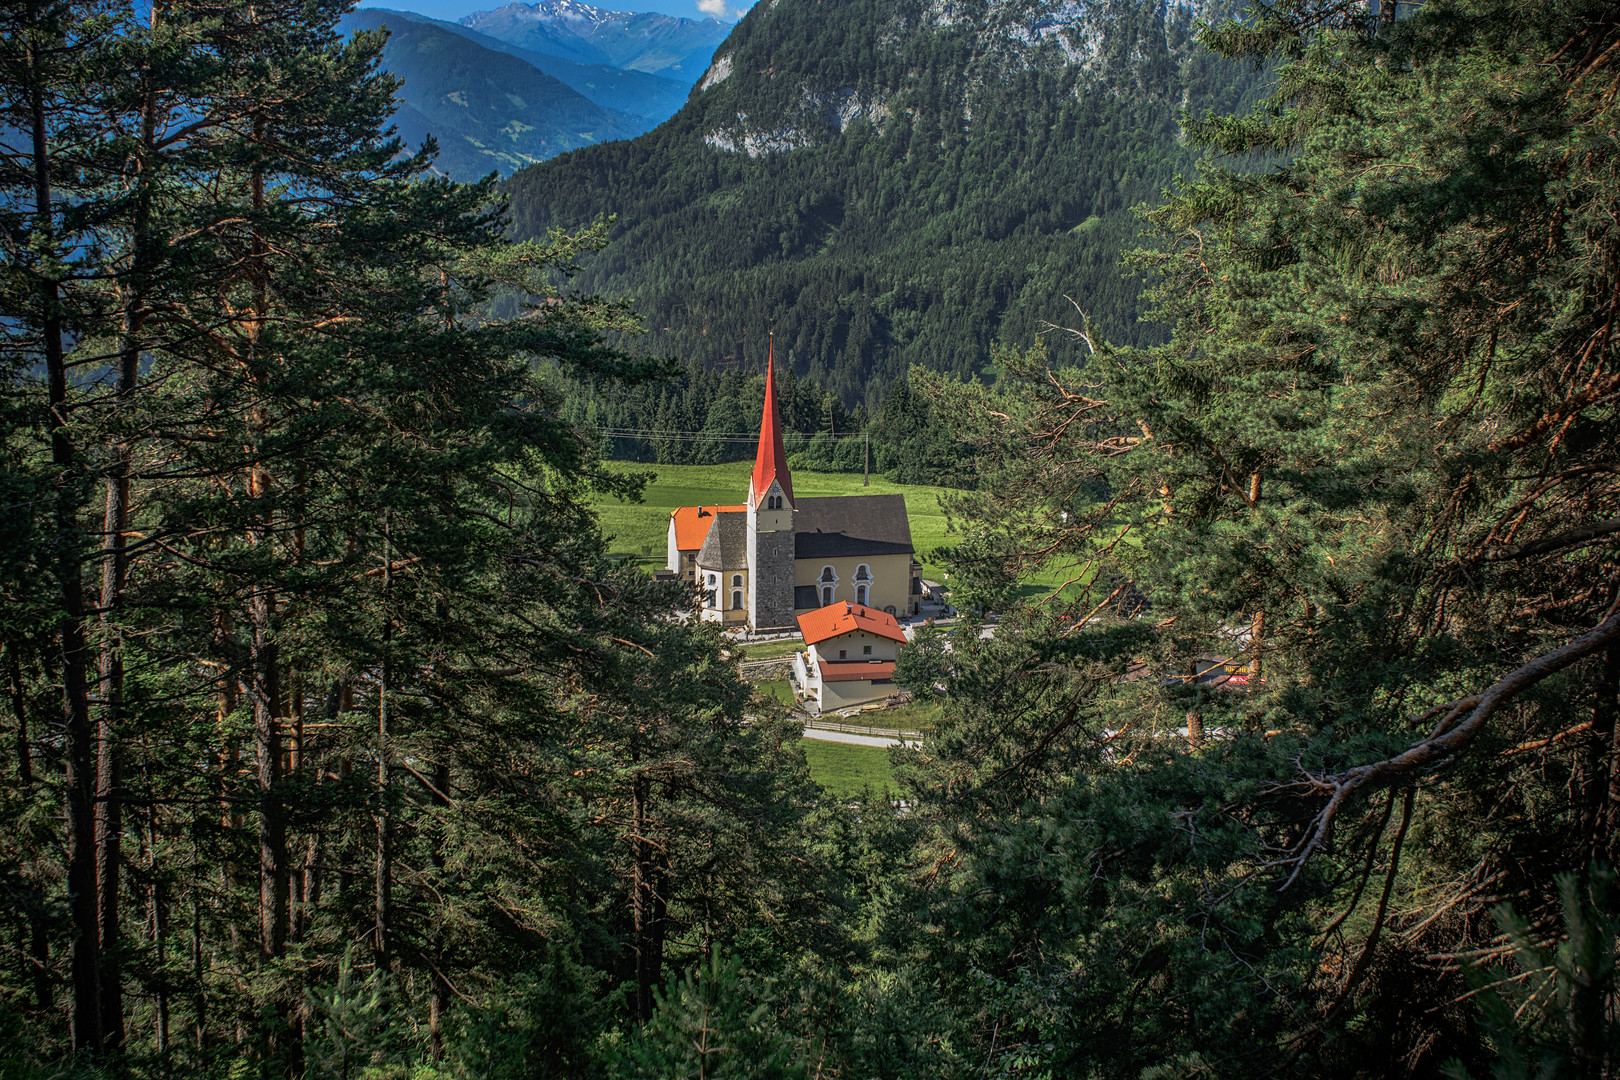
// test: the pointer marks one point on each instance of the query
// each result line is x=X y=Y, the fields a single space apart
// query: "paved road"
x=855 y=740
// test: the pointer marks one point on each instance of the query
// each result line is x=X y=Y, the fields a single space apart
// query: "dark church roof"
x=849 y=525
x=726 y=546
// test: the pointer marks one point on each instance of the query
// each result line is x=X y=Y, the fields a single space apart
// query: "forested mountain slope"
x=894 y=182
x=489 y=110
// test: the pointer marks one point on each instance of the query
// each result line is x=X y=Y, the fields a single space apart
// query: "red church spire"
x=771 y=461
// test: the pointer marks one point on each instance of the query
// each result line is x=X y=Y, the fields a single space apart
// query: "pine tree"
x=1364 y=478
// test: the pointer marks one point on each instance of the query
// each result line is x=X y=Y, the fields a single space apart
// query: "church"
x=762 y=563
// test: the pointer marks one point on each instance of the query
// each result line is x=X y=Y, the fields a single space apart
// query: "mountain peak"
x=548 y=10
x=648 y=42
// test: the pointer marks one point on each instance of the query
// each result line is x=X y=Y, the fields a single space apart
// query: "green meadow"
x=846 y=770
x=771 y=650
x=639 y=530
x=779 y=690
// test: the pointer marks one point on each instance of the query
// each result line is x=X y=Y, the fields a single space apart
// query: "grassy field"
x=917 y=716
x=781 y=690
x=772 y=650
x=844 y=770
x=640 y=529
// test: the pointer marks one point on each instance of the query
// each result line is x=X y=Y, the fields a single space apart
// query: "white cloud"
x=716 y=8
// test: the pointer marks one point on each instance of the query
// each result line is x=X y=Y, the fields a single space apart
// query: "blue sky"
x=455 y=9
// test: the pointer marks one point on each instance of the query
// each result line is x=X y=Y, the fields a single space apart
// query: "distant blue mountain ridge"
x=648 y=41
x=493 y=105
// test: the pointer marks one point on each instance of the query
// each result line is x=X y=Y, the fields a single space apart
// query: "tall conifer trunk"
x=264 y=659
x=157 y=927
x=84 y=961
x=647 y=900
x=1600 y=764
x=382 y=896
x=115 y=563
x=437 y=985
x=19 y=711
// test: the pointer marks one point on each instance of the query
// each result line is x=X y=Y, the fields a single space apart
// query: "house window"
x=843 y=654
x=860 y=594
x=736 y=599
x=826 y=595
x=866 y=650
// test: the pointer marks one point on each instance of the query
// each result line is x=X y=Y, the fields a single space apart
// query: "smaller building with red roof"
x=688 y=528
x=850 y=656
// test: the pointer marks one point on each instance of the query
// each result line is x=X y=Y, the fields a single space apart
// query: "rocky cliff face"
x=952 y=56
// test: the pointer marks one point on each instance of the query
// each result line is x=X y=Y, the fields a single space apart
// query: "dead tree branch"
x=1446 y=741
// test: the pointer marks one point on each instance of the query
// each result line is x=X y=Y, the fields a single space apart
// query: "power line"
x=713 y=436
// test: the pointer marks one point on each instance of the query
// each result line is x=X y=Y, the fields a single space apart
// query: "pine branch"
x=1449 y=738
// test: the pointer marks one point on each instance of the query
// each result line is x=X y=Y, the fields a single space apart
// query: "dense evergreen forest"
x=890 y=187
x=698 y=416
x=335 y=745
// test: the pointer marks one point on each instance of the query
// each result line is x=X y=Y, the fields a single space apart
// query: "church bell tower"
x=770 y=521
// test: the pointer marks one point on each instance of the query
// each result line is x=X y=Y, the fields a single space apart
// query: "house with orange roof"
x=688 y=528
x=849 y=657
x=760 y=565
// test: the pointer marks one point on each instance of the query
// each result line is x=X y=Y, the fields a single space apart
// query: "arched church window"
x=863 y=573
x=736 y=600
x=828 y=574
x=826 y=595
x=860 y=594
x=736 y=581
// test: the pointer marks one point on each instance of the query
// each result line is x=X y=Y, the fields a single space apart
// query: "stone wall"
x=768 y=670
